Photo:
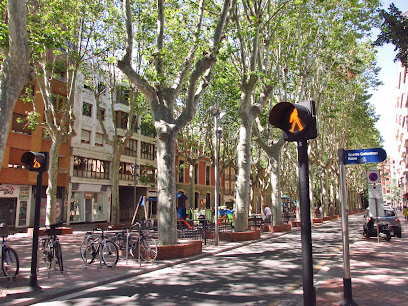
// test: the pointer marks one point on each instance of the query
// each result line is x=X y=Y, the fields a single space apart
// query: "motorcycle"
x=370 y=230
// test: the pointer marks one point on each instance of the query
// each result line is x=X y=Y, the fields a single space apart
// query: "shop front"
x=15 y=205
x=89 y=203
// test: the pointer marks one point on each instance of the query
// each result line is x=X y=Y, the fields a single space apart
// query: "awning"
x=152 y=199
x=181 y=195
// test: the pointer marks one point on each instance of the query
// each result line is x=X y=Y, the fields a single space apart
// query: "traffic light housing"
x=297 y=121
x=36 y=161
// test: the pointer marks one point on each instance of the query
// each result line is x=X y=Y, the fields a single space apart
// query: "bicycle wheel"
x=58 y=255
x=9 y=262
x=120 y=241
x=148 y=249
x=88 y=250
x=110 y=254
x=46 y=251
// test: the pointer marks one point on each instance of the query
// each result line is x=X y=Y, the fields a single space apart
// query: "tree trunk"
x=192 y=184
x=324 y=195
x=115 y=204
x=244 y=172
x=15 y=68
x=50 y=216
x=166 y=187
x=276 y=197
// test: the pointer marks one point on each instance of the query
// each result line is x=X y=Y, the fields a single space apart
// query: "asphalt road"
x=263 y=273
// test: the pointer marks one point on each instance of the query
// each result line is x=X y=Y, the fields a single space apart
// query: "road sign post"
x=362 y=156
x=347 y=289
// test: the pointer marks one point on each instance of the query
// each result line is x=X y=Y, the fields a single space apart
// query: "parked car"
x=390 y=218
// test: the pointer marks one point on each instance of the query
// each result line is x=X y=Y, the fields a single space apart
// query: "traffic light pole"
x=33 y=275
x=309 y=294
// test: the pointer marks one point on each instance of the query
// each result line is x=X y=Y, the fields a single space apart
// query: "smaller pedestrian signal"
x=35 y=161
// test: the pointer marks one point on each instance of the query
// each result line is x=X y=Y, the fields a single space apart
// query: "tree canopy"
x=394 y=30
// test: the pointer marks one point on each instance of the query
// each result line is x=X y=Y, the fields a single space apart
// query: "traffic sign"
x=364 y=156
x=373 y=176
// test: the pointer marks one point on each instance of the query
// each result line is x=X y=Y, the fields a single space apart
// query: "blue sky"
x=384 y=97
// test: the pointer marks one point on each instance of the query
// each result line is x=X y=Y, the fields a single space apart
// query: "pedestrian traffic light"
x=36 y=161
x=297 y=121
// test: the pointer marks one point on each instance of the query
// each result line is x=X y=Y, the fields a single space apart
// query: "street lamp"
x=135 y=166
x=217 y=114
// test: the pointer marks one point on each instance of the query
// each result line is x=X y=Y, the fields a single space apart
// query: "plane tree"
x=59 y=40
x=15 y=56
x=167 y=80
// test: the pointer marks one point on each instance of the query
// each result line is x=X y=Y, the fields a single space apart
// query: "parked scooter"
x=370 y=230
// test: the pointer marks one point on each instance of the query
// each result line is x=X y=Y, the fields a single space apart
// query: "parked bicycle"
x=147 y=246
x=9 y=259
x=95 y=244
x=50 y=248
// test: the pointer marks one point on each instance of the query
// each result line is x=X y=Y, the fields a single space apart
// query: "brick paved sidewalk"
x=379 y=273
x=77 y=274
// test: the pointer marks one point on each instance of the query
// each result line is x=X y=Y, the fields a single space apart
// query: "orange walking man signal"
x=36 y=164
x=296 y=123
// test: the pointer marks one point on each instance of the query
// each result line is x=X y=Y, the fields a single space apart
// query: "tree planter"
x=317 y=220
x=282 y=228
x=59 y=231
x=184 y=248
x=295 y=223
x=240 y=236
x=277 y=228
x=327 y=218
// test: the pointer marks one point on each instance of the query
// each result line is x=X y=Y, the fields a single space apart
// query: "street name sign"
x=364 y=156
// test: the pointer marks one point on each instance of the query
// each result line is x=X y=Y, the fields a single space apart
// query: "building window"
x=207 y=175
x=87 y=109
x=122 y=96
x=147 y=174
x=15 y=158
x=121 y=120
x=91 y=168
x=85 y=136
x=126 y=172
x=18 y=124
x=181 y=171
x=148 y=151
x=131 y=148
x=208 y=201
x=58 y=100
x=99 y=140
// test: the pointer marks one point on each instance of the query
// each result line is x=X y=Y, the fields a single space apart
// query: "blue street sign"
x=364 y=156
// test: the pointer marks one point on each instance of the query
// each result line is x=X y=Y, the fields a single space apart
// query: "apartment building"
x=388 y=174
x=401 y=135
x=17 y=184
x=91 y=158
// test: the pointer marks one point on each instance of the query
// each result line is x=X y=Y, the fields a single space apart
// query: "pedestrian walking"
x=268 y=215
x=405 y=212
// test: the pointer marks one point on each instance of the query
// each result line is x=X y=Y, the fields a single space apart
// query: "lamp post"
x=217 y=114
x=135 y=166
